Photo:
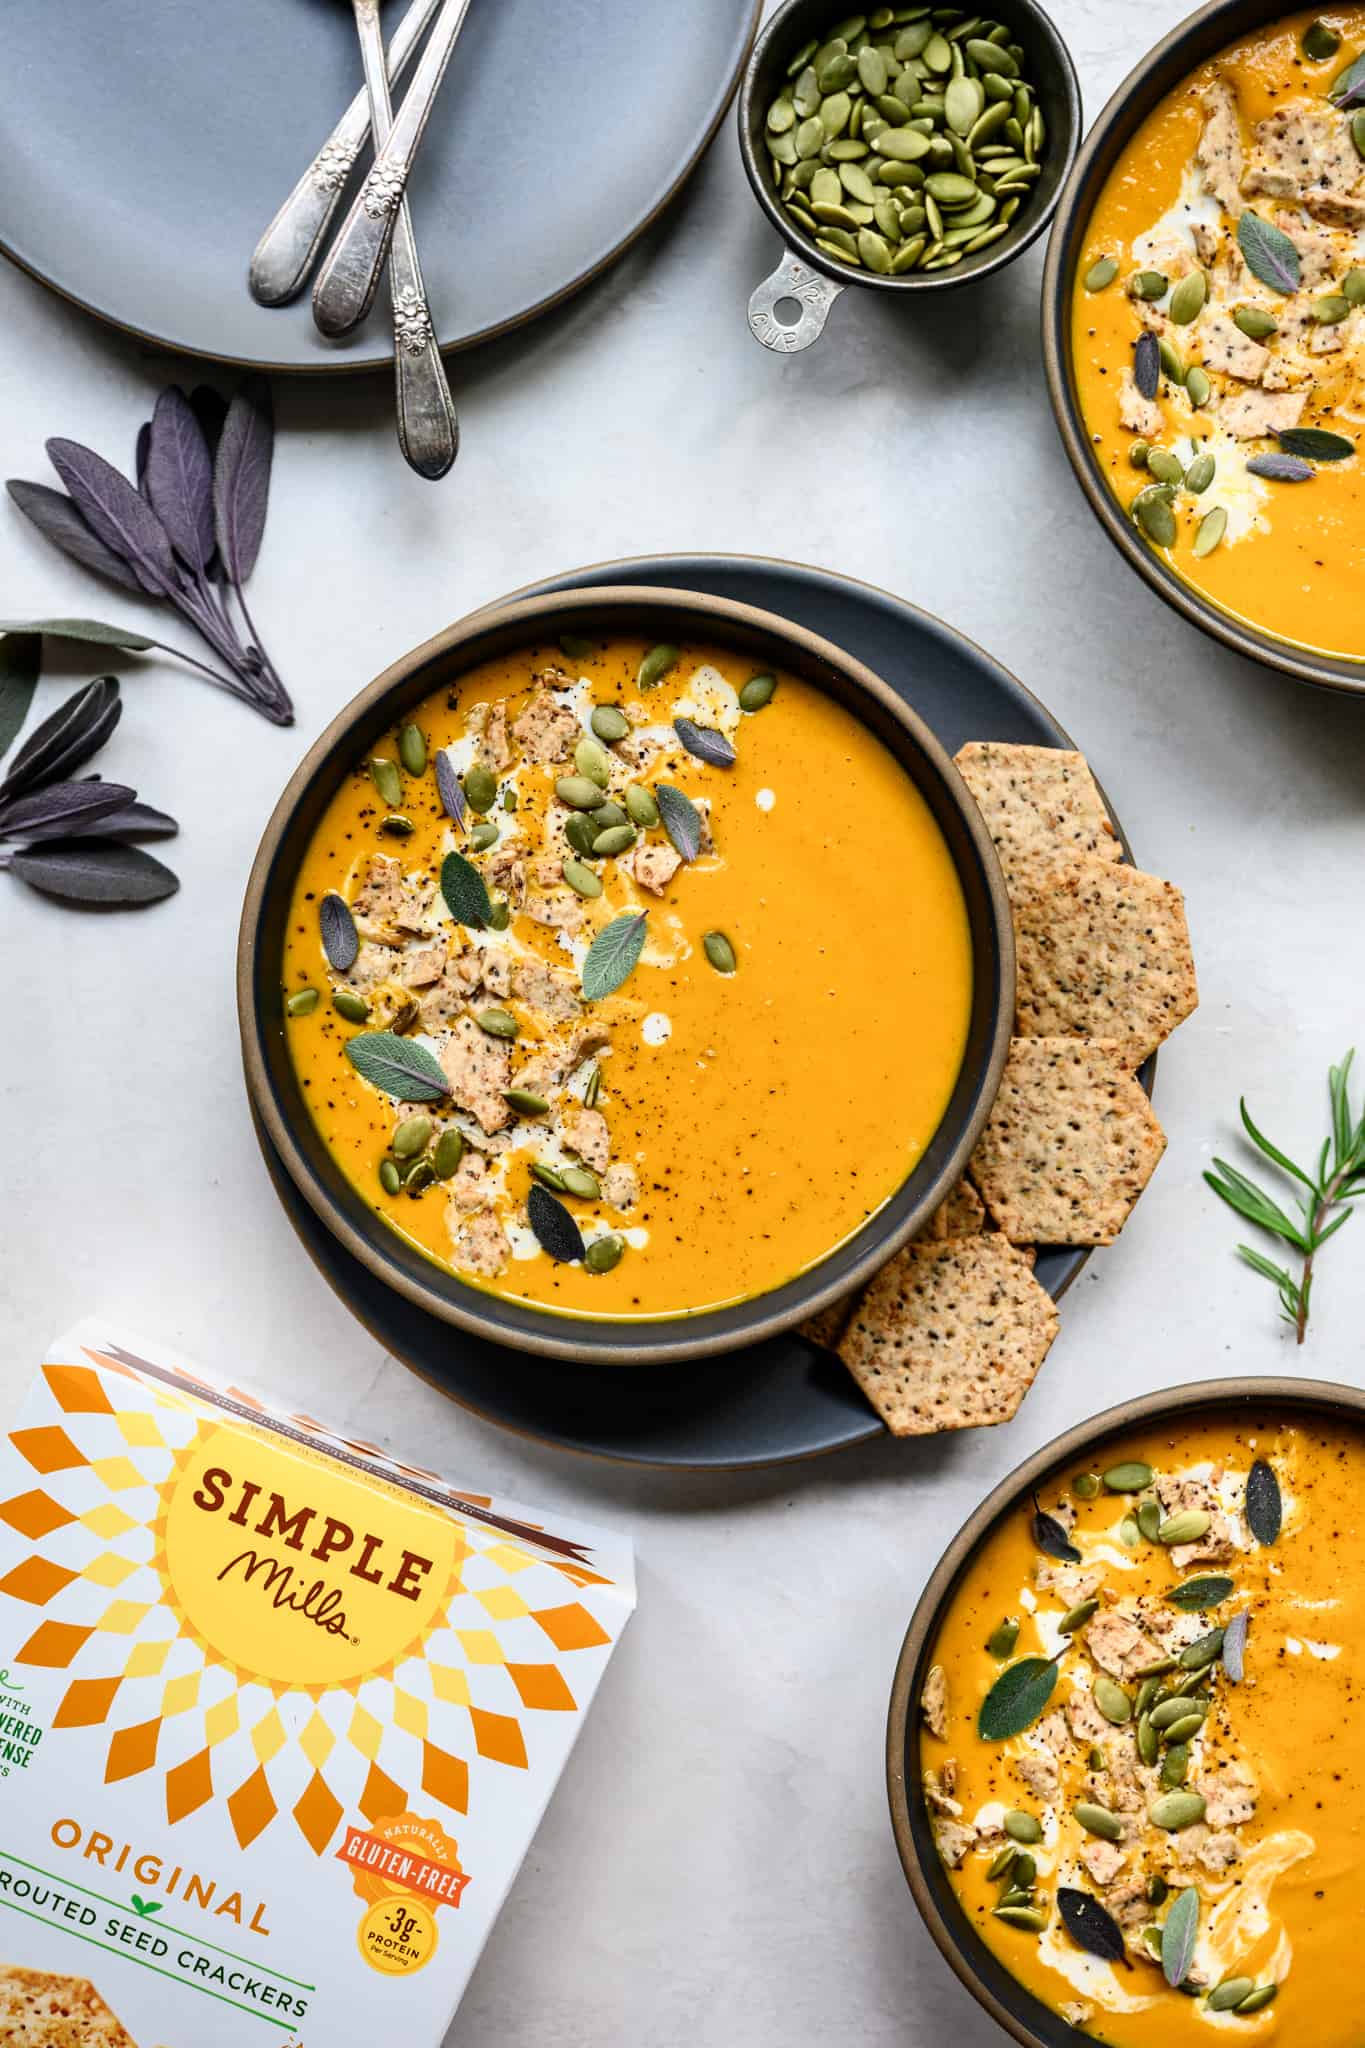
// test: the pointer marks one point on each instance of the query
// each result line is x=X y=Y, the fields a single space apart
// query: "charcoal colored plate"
x=147 y=147
x=782 y=1399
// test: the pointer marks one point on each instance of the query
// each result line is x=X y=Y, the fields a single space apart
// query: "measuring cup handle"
x=813 y=293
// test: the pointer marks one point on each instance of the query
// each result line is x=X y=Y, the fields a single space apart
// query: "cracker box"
x=278 y=1715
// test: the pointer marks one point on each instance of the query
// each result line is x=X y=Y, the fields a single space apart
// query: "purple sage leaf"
x=556 y=1231
x=1282 y=469
x=705 y=742
x=20 y=657
x=340 y=940
x=1234 y=1648
x=61 y=804
x=1147 y=364
x=1091 y=1925
x=1315 y=444
x=1348 y=86
x=1269 y=253
x=450 y=790
x=241 y=478
x=95 y=873
x=180 y=478
x=54 y=515
x=142 y=448
x=681 y=819
x=65 y=741
x=130 y=823
x=119 y=514
x=210 y=408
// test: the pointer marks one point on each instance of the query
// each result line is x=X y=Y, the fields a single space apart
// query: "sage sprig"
x=68 y=835
x=188 y=532
x=1322 y=1195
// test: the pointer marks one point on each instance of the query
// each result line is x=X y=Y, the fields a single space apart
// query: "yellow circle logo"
x=398 y=1937
x=295 y=1571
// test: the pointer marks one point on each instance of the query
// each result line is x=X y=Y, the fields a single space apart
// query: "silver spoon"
x=349 y=278
x=285 y=253
x=428 y=431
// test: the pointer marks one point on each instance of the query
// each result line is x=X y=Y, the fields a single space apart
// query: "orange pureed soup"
x=1252 y=145
x=1169 y=1760
x=758 y=1084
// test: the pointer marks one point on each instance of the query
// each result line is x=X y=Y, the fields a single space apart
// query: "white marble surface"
x=717 y=1865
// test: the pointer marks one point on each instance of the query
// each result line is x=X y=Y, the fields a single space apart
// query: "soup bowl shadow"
x=1188 y=46
x=273 y=1087
x=1025 y=2018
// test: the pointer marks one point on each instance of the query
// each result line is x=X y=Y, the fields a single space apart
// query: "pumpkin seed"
x=1157 y=1889
x=857 y=184
x=388 y=1177
x=411 y=1137
x=1197 y=388
x=834 y=113
x=807 y=142
x=1168 y=1710
x=1076 y=1617
x=1167 y=469
x=1017 y=1895
x=497 y=1023
x=1184 y=1729
x=614 y=840
x=579 y=792
x=302 y=1003
x=1022 y=1827
x=581 y=879
x=1147 y=284
x=397 y=826
x=499 y=917
x=525 y=1101
x=1101 y=274
x=592 y=762
x=480 y=787
x=1138 y=451
x=1152 y=1937
x=412 y=750
x=1331 y=310
x=386 y=779
x=593 y=1089
x=951 y=189
x=1097 y=1820
x=963 y=103
x=483 y=836
x=509 y=799
x=1128 y=1532
x=1130 y=1477
x=580 y=829
x=1358 y=138
x=604 y=1253
x=1318 y=43
x=902 y=145
x=1001 y=1640
x=1086 y=1485
x=988 y=56
x=657 y=662
x=1228 y=1995
x=874 y=250
x=576 y=1180
x=1255 y=322
x=1148 y=1741
x=1187 y=298
x=912 y=40
x=1175 y=1765
x=1002 y=1862
x=351 y=1006
x=1029 y=1917
x=1146 y=1693
x=449 y=1152
x=1185 y=1527
x=418 y=1176
x=872 y=71
x=1260 y=1998
x=1024 y=1871
x=548 y=1176
x=1353 y=284
x=1176 y=1810
x=781 y=115
x=1112 y=1701
x=720 y=952
x=641 y=808
x=1152 y=510
x=1170 y=361
x=1211 y=529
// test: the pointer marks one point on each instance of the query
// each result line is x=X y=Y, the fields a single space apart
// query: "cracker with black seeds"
x=1040 y=804
x=949 y=1335
x=39 y=2010
x=1070 y=1143
x=1103 y=951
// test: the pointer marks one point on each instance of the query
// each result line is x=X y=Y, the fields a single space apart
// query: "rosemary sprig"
x=1322 y=1197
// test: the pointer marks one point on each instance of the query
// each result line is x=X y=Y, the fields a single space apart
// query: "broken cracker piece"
x=1070 y=1143
x=949 y=1335
x=1103 y=951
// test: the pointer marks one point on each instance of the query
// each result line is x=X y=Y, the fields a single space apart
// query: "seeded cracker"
x=1069 y=1145
x=1039 y=803
x=38 y=2010
x=1103 y=952
x=949 y=1335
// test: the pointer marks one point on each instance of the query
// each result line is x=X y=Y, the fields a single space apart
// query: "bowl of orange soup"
x=1118 y=1776
x=1204 y=329
x=624 y=975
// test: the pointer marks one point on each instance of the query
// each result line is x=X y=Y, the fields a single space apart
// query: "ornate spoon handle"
x=428 y=432
x=349 y=278
x=284 y=255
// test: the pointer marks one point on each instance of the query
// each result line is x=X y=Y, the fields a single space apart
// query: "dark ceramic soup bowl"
x=680 y=616
x=1160 y=71
x=810 y=279
x=1007 y=2001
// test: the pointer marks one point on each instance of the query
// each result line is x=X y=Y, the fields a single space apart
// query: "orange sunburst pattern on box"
x=274 y=1617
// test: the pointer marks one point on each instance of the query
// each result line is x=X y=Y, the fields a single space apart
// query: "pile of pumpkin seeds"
x=907 y=140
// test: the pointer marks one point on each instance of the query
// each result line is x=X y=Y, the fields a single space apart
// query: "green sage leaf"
x=1269 y=253
x=1179 y=1933
x=20 y=656
x=92 y=630
x=399 y=1067
x=1198 y=1593
x=1017 y=1698
x=614 y=954
x=463 y=889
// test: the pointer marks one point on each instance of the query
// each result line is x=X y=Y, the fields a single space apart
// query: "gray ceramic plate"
x=147 y=146
x=782 y=1399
